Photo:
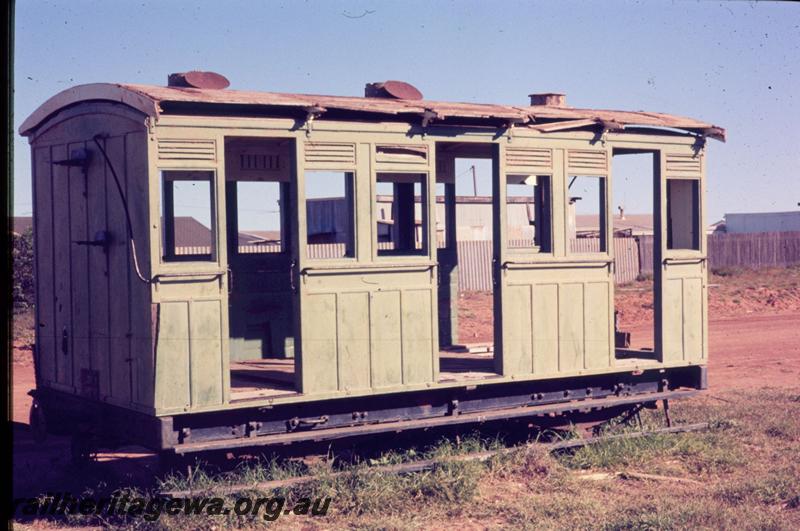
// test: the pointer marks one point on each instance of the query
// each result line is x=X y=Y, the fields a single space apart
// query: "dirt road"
x=749 y=352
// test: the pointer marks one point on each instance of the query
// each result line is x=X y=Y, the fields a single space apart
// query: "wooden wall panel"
x=570 y=327
x=78 y=268
x=360 y=340
x=544 y=318
x=62 y=277
x=672 y=335
x=385 y=345
x=137 y=191
x=46 y=339
x=100 y=344
x=173 y=357
x=319 y=356
x=417 y=337
x=598 y=352
x=353 y=341
x=517 y=344
x=693 y=319
x=119 y=354
x=205 y=318
x=84 y=290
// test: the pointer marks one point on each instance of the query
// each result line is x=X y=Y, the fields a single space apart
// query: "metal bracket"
x=312 y=113
x=296 y=422
x=428 y=116
x=65 y=342
x=212 y=274
x=683 y=261
x=292 y=285
x=78 y=158
x=699 y=146
x=452 y=408
x=101 y=239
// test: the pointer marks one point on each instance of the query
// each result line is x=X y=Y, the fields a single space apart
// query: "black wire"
x=125 y=208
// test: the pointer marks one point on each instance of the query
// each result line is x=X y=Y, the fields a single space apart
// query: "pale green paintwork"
x=369 y=324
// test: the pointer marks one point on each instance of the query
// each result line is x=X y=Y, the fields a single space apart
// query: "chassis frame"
x=549 y=403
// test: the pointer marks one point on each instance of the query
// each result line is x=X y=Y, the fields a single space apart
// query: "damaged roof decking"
x=149 y=99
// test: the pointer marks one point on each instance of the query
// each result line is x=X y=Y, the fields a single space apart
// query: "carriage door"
x=681 y=272
x=553 y=262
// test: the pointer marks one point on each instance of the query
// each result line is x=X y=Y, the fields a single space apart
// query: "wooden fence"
x=753 y=251
x=763 y=249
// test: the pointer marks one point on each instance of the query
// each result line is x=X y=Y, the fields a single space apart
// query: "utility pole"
x=474 y=182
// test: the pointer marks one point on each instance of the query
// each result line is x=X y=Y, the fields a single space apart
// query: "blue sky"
x=735 y=64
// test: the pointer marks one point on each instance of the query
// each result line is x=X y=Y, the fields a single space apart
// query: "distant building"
x=189 y=232
x=762 y=222
x=587 y=226
x=327 y=218
x=716 y=228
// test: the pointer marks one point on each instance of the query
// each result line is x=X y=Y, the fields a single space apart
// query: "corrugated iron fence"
x=633 y=255
x=475 y=261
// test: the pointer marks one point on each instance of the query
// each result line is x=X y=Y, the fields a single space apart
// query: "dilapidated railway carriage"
x=236 y=339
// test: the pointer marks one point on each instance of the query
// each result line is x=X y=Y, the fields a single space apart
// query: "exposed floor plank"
x=275 y=377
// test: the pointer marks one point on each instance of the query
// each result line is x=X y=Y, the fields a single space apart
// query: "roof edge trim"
x=89 y=92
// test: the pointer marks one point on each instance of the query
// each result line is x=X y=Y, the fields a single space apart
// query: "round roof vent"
x=398 y=90
x=198 y=79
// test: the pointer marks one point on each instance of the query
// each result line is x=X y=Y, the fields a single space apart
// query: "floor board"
x=275 y=377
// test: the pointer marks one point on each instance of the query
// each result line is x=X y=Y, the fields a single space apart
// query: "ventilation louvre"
x=187 y=149
x=587 y=160
x=330 y=153
x=401 y=154
x=520 y=158
x=683 y=163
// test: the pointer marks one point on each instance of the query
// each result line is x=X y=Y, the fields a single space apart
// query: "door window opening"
x=330 y=208
x=683 y=214
x=528 y=213
x=402 y=214
x=586 y=207
x=260 y=223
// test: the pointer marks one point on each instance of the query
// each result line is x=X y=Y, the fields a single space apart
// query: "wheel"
x=37 y=423
x=81 y=451
x=169 y=462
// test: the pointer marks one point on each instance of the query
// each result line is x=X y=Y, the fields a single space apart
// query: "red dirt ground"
x=750 y=348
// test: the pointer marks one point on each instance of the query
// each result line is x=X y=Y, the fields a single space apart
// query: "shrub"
x=22 y=287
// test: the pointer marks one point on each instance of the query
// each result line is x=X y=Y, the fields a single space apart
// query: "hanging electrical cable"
x=125 y=208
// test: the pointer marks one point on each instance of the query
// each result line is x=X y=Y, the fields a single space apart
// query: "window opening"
x=587 y=214
x=528 y=213
x=188 y=227
x=330 y=207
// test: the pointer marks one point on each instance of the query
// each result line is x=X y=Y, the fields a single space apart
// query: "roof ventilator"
x=396 y=90
x=198 y=80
